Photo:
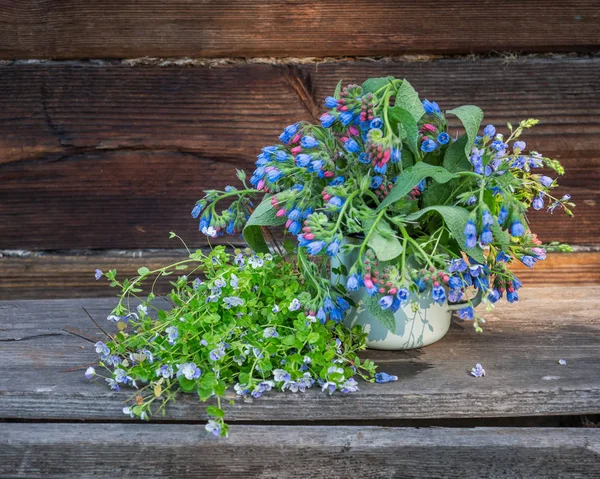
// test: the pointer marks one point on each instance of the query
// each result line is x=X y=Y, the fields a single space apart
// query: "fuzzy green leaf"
x=143 y=271
x=373 y=84
x=385 y=316
x=411 y=178
x=408 y=98
x=338 y=90
x=403 y=123
x=471 y=117
x=455 y=219
x=264 y=215
x=455 y=158
x=383 y=241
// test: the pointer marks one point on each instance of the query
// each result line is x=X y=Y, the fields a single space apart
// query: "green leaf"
x=186 y=385
x=385 y=316
x=383 y=240
x=143 y=271
x=403 y=123
x=408 y=98
x=471 y=117
x=264 y=215
x=411 y=178
x=439 y=194
x=455 y=219
x=373 y=84
x=338 y=90
x=455 y=159
x=215 y=411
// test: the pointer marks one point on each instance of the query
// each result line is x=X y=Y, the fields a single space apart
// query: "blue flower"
x=346 y=118
x=281 y=155
x=213 y=427
x=270 y=333
x=470 y=233
x=338 y=180
x=189 y=371
x=321 y=316
x=342 y=303
x=486 y=218
x=98 y=274
x=335 y=202
x=315 y=165
x=478 y=371
x=352 y=283
x=232 y=301
x=459 y=265
x=528 y=261
x=102 y=349
x=486 y=236
x=489 y=131
x=308 y=142
x=396 y=155
x=376 y=181
x=172 y=334
x=402 y=295
x=421 y=284
x=328 y=305
x=351 y=146
x=294 y=305
x=519 y=146
x=455 y=282
x=439 y=295
x=466 y=314
x=503 y=215
x=502 y=257
x=295 y=227
x=428 y=146
x=376 y=123
x=274 y=175
x=431 y=107
x=315 y=247
x=330 y=102
x=364 y=158
x=443 y=138
x=216 y=354
x=546 y=181
x=288 y=133
x=512 y=296
x=165 y=371
x=380 y=168
x=499 y=145
x=327 y=120
x=538 y=202
x=494 y=296
x=333 y=248
x=281 y=375
x=90 y=372
x=386 y=302
x=517 y=229
x=336 y=315
x=196 y=211
x=303 y=160
x=382 y=378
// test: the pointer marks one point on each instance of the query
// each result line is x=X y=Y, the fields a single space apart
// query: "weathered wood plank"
x=78 y=29
x=85 y=149
x=70 y=275
x=520 y=349
x=151 y=450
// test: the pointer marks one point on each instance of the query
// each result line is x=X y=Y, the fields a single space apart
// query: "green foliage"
x=455 y=158
x=374 y=84
x=403 y=123
x=471 y=117
x=246 y=326
x=408 y=99
x=384 y=316
x=263 y=215
x=383 y=240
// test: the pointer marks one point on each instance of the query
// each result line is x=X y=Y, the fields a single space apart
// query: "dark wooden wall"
x=103 y=152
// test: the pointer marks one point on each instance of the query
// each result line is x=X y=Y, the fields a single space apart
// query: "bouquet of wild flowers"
x=426 y=210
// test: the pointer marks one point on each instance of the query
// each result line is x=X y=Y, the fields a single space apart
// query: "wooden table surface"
x=56 y=423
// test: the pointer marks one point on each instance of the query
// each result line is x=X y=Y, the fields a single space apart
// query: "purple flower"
x=352 y=283
x=519 y=146
x=172 y=333
x=98 y=274
x=89 y=372
x=216 y=354
x=330 y=102
x=189 y=371
x=213 y=427
x=486 y=236
x=428 y=146
x=333 y=248
x=232 y=301
x=294 y=305
x=165 y=371
x=431 y=107
x=438 y=293
x=351 y=146
x=489 y=131
x=315 y=247
x=466 y=314
x=478 y=371
x=396 y=155
x=102 y=349
x=528 y=261
x=402 y=295
x=326 y=120
x=382 y=378
x=458 y=265
x=270 y=333
x=350 y=386
x=281 y=375
x=546 y=181
x=376 y=182
x=538 y=202
x=386 y=302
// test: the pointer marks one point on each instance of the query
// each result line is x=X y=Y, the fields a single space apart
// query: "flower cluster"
x=236 y=321
x=443 y=214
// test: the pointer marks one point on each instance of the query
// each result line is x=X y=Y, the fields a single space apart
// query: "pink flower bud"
x=296 y=139
x=353 y=131
x=368 y=283
x=260 y=185
x=328 y=174
x=393 y=291
x=280 y=213
x=381 y=290
x=326 y=196
x=288 y=223
x=428 y=127
x=344 y=139
x=309 y=236
x=296 y=150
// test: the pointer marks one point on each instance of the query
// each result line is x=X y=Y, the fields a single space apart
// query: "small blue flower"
x=512 y=296
x=443 y=138
x=546 y=181
x=338 y=180
x=428 y=146
x=503 y=215
x=196 y=211
x=352 y=283
x=165 y=371
x=396 y=155
x=189 y=371
x=502 y=257
x=294 y=305
x=528 y=261
x=335 y=202
x=270 y=333
x=281 y=155
x=402 y=295
x=336 y=315
x=382 y=378
x=376 y=123
x=486 y=236
x=494 y=296
x=295 y=227
x=386 y=302
x=321 y=316
x=471 y=200
x=346 y=118
x=455 y=282
x=333 y=248
x=216 y=354
x=364 y=158
x=380 y=168
x=213 y=427
x=376 y=182
x=517 y=229
x=315 y=247
x=308 y=142
x=466 y=314
x=519 y=146
x=172 y=334
x=489 y=131
x=326 y=120
x=98 y=274
x=315 y=166
x=351 y=146
x=232 y=301
x=102 y=349
x=431 y=107
x=538 y=202
x=439 y=294
x=342 y=303
x=478 y=371
x=274 y=175
x=331 y=102
x=90 y=372
x=486 y=218
x=459 y=265
x=328 y=305
x=281 y=375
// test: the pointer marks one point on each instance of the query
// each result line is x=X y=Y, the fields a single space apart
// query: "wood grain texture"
x=107 y=156
x=151 y=450
x=520 y=349
x=72 y=276
x=239 y=28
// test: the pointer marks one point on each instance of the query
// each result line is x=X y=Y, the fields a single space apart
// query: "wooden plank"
x=151 y=450
x=520 y=349
x=125 y=29
x=70 y=275
x=88 y=147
